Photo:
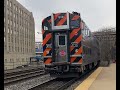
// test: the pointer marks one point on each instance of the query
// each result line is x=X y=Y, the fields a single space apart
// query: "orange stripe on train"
x=72 y=59
x=45 y=51
x=55 y=17
x=80 y=61
x=48 y=36
x=48 y=61
x=74 y=32
x=71 y=48
x=77 y=40
x=79 y=51
x=62 y=20
x=75 y=17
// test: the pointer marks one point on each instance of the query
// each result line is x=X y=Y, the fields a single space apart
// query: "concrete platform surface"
x=104 y=78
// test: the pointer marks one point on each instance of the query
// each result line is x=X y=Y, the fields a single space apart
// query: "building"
x=19 y=35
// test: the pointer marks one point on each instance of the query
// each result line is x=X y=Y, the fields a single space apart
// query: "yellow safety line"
x=87 y=83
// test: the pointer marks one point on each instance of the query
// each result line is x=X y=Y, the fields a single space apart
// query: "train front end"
x=62 y=50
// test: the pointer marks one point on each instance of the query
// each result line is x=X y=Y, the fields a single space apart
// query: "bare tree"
x=106 y=37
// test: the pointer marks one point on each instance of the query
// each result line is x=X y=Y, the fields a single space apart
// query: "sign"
x=62 y=53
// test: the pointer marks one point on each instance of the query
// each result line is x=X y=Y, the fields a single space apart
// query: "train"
x=69 y=48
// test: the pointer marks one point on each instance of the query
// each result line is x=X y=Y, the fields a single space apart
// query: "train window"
x=88 y=33
x=83 y=49
x=87 y=50
x=90 y=52
x=83 y=32
x=75 y=24
x=61 y=40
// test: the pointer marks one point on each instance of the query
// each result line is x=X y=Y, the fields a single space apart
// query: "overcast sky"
x=95 y=13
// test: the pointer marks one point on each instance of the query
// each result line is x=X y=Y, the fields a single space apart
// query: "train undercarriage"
x=69 y=70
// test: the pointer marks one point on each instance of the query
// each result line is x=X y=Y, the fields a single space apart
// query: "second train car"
x=69 y=48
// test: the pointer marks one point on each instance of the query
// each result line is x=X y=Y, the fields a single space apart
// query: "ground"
x=106 y=80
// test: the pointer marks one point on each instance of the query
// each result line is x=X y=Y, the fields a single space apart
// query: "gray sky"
x=95 y=13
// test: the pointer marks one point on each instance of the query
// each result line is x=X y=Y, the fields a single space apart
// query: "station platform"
x=103 y=78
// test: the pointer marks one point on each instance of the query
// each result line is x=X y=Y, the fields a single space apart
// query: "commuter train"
x=69 y=48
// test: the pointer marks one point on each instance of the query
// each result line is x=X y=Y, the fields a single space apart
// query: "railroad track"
x=22 y=70
x=56 y=84
x=22 y=75
x=60 y=84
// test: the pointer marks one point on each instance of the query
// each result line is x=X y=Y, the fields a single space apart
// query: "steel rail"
x=23 y=75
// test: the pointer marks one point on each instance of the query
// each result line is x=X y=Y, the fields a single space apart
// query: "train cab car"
x=62 y=45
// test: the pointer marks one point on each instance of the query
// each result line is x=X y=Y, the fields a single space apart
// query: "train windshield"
x=61 y=40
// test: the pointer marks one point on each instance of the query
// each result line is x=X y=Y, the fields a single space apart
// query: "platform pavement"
x=104 y=78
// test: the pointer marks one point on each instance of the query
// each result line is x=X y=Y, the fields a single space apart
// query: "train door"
x=60 y=47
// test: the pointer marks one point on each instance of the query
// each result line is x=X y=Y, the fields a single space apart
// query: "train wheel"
x=90 y=66
x=93 y=64
x=86 y=68
x=82 y=69
x=98 y=63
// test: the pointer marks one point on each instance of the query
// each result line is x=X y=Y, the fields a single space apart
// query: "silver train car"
x=69 y=48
